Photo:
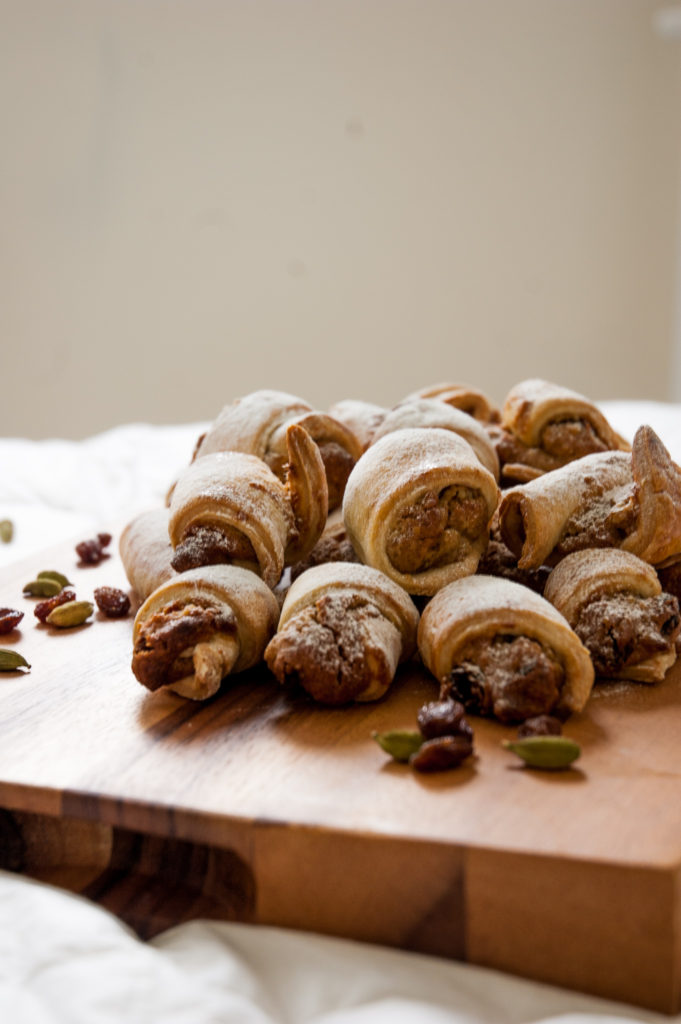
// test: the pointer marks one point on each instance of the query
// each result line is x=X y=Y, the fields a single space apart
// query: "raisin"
x=43 y=608
x=113 y=603
x=441 y=753
x=9 y=619
x=540 y=725
x=91 y=552
x=443 y=718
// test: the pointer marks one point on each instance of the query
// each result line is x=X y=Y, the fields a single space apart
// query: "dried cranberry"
x=43 y=608
x=104 y=539
x=113 y=603
x=9 y=619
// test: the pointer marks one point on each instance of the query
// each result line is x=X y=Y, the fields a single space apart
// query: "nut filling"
x=338 y=465
x=509 y=677
x=206 y=545
x=336 y=649
x=164 y=649
x=625 y=630
x=562 y=441
x=436 y=529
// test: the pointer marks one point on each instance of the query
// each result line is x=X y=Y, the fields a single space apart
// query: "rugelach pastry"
x=615 y=604
x=544 y=426
x=429 y=412
x=362 y=418
x=229 y=507
x=503 y=651
x=343 y=631
x=613 y=499
x=201 y=626
x=418 y=505
x=257 y=425
x=461 y=396
x=146 y=551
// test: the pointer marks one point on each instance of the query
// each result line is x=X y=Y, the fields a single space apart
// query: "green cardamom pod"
x=58 y=577
x=399 y=743
x=42 y=588
x=545 y=751
x=72 y=613
x=6 y=530
x=9 y=660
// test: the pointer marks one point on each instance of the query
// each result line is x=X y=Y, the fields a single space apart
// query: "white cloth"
x=63 y=959
x=66 y=961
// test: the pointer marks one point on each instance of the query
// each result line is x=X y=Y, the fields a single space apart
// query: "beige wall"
x=334 y=197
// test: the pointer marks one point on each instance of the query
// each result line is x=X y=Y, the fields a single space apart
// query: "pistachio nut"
x=42 y=588
x=399 y=743
x=6 y=530
x=10 y=660
x=73 y=613
x=551 y=752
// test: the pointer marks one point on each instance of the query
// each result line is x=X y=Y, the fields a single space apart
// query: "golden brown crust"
x=657 y=535
x=533 y=517
x=343 y=630
x=461 y=396
x=614 y=601
x=257 y=424
x=533 y=404
x=362 y=418
x=230 y=637
x=594 y=572
x=429 y=412
x=146 y=551
x=484 y=607
x=613 y=499
x=403 y=484
x=230 y=507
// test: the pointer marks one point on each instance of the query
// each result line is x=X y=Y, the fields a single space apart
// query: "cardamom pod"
x=399 y=743
x=10 y=660
x=551 y=752
x=58 y=577
x=42 y=588
x=6 y=530
x=73 y=613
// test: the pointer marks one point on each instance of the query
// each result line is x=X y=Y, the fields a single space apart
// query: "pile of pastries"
x=520 y=552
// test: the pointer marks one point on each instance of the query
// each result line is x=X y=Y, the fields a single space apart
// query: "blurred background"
x=337 y=198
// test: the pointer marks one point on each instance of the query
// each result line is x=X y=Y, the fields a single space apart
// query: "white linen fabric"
x=63 y=959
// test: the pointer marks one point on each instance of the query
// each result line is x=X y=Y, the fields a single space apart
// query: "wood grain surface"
x=259 y=806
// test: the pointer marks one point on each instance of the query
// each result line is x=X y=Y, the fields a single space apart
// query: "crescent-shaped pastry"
x=503 y=651
x=418 y=506
x=544 y=426
x=201 y=626
x=614 y=602
x=344 y=629
x=429 y=412
x=230 y=507
x=362 y=418
x=461 y=396
x=613 y=499
x=257 y=425
x=146 y=551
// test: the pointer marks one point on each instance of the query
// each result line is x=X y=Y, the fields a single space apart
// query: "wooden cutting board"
x=259 y=806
